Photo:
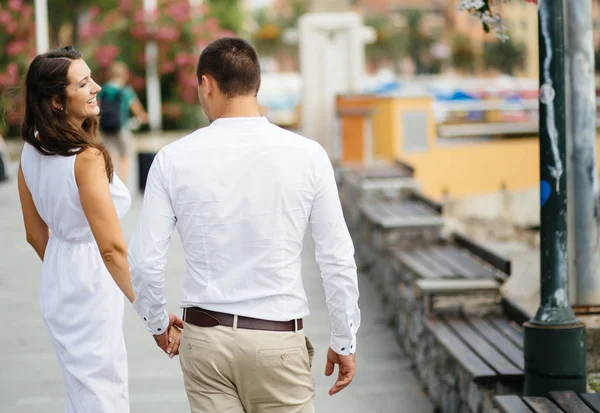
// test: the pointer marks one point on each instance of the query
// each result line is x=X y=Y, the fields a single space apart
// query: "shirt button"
x=343 y=348
x=159 y=329
x=144 y=318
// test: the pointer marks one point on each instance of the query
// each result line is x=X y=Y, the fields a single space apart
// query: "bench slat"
x=541 y=405
x=592 y=400
x=452 y=262
x=504 y=327
x=456 y=286
x=569 y=402
x=463 y=354
x=466 y=261
x=511 y=404
x=440 y=269
x=499 y=341
x=415 y=265
x=489 y=354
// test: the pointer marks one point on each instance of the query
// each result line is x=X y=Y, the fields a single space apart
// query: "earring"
x=61 y=108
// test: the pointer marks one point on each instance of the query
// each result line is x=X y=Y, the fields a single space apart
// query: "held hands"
x=170 y=339
x=346 y=367
x=143 y=118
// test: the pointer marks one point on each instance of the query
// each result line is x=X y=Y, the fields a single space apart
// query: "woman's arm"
x=98 y=206
x=36 y=229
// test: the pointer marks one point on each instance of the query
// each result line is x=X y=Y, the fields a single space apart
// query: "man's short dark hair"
x=233 y=63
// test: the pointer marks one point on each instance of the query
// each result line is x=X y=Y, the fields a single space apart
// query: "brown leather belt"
x=205 y=318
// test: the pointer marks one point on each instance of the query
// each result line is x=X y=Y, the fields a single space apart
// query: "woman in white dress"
x=71 y=203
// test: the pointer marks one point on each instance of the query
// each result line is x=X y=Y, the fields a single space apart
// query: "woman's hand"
x=174 y=341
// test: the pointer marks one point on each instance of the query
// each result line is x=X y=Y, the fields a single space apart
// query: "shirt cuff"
x=156 y=325
x=342 y=345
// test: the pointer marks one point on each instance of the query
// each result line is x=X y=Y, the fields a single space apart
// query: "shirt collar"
x=240 y=122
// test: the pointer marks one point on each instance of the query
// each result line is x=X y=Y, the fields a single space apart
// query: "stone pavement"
x=30 y=380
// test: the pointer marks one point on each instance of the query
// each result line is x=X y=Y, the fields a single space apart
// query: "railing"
x=485 y=108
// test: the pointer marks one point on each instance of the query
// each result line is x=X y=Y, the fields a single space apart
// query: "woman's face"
x=81 y=92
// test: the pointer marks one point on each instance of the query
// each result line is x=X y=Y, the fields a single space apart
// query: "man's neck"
x=241 y=107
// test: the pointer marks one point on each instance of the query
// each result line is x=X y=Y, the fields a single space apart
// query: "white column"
x=42 y=40
x=332 y=61
x=152 y=80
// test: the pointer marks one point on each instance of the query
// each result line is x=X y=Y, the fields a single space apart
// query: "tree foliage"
x=105 y=34
x=228 y=13
x=464 y=57
x=17 y=48
x=505 y=56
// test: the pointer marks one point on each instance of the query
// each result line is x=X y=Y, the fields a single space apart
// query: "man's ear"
x=207 y=81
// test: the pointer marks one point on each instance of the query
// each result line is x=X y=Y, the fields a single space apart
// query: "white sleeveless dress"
x=81 y=304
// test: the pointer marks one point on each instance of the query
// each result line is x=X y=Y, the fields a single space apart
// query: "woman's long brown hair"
x=47 y=81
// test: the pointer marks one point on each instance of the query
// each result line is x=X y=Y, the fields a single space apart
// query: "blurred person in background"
x=71 y=202
x=117 y=100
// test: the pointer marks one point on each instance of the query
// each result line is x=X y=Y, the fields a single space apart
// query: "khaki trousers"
x=246 y=371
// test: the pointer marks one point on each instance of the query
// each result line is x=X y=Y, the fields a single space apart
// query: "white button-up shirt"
x=241 y=193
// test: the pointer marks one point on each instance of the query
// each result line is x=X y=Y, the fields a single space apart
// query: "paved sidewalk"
x=30 y=380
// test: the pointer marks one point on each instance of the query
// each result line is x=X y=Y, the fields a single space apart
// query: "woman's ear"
x=57 y=105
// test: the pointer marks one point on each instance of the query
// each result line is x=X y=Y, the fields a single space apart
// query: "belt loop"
x=184 y=313
x=295 y=325
x=235 y=321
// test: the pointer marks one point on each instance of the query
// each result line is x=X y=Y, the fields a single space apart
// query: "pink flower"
x=139 y=32
x=125 y=5
x=12 y=72
x=211 y=24
x=97 y=30
x=167 y=67
x=180 y=12
x=15 y=48
x=26 y=11
x=105 y=55
x=111 y=18
x=11 y=28
x=190 y=95
x=85 y=32
x=169 y=34
x=139 y=16
x=5 y=17
x=15 y=5
x=93 y=12
x=181 y=59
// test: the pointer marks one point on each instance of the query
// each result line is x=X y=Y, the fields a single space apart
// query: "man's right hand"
x=346 y=367
x=162 y=340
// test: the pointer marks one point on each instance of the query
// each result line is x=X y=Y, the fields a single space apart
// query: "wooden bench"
x=451 y=275
x=428 y=290
x=557 y=402
x=396 y=222
x=464 y=360
x=455 y=258
x=362 y=185
x=489 y=348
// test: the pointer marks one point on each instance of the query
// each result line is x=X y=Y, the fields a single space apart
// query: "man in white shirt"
x=241 y=193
